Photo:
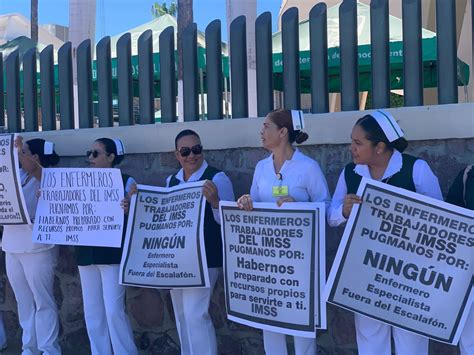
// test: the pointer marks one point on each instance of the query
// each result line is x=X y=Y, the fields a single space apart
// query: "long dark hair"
x=375 y=134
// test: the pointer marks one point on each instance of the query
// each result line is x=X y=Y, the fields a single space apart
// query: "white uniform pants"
x=467 y=336
x=374 y=338
x=104 y=311
x=191 y=310
x=32 y=277
x=275 y=344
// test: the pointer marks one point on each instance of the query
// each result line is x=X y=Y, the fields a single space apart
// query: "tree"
x=185 y=18
x=158 y=10
x=34 y=20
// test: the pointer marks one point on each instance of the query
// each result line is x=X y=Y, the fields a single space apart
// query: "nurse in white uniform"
x=287 y=175
x=107 y=322
x=30 y=266
x=377 y=146
x=191 y=305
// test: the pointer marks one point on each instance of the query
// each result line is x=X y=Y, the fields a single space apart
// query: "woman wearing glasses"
x=195 y=328
x=287 y=175
x=30 y=266
x=107 y=322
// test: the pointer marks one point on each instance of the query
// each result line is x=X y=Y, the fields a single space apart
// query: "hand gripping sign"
x=164 y=244
x=274 y=266
x=407 y=260
x=13 y=208
x=80 y=206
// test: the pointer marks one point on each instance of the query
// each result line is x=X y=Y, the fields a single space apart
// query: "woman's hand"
x=349 y=201
x=133 y=190
x=125 y=204
x=284 y=199
x=245 y=202
x=209 y=191
x=19 y=144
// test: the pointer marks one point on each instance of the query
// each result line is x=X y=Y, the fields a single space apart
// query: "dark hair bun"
x=301 y=137
x=400 y=144
x=51 y=160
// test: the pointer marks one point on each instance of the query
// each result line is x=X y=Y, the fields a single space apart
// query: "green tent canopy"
x=429 y=48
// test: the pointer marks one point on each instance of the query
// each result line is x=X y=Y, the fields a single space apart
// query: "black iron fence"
x=29 y=106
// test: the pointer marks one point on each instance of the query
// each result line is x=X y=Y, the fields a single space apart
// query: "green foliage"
x=395 y=101
x=158 y=10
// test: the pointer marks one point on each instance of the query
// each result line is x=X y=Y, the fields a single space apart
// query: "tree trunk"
x=34 y=20
x=185 y=17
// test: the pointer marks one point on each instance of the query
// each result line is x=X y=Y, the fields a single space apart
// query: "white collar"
x=297 y=155
x=394 y=166
x=195 y=176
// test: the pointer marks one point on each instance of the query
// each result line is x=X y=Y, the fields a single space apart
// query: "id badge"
x=279 y=191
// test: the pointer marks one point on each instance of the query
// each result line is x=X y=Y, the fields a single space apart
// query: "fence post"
x=124 y=80
x=12 y=65
x=167 y=76
x=349 y=56
x=318 y=35
x=214 y=70
x=412 y=57
x=190 y=73
x=263 y=55
x=66 y=95
x=291 y=59
x=48 y=100
x=84 y=84
x=30 y=90
x=238 y=68
x=380 y=53
x=447 y=56
x=146 y=77
x=104 y=82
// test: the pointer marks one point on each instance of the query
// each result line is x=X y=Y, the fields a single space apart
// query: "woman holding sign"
x=287 y=175
x=191 y=306
x=377 y=146
x=107 y=322
x=30 y=266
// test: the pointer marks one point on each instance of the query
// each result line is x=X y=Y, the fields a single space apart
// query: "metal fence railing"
x=30 y=105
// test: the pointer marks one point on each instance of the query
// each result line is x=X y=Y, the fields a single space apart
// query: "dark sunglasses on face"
x=94 y=153
x=185 y=151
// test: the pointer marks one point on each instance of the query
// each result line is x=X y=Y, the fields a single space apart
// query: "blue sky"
x=116 y=16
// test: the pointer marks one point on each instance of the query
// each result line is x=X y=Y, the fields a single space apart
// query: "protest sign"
x=80 y=207
x=274 y=266
x=164 y=244
x=12 y=203
x=407 y=260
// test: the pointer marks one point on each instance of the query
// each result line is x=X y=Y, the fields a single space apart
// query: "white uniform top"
x=18 y=238
x=221 y=180
x=302 y=175
x=425 y=181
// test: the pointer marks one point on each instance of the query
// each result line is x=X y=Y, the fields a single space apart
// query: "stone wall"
x=151 y=311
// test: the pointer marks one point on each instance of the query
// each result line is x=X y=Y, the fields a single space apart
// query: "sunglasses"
x=185 y=151
x=94 y=153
